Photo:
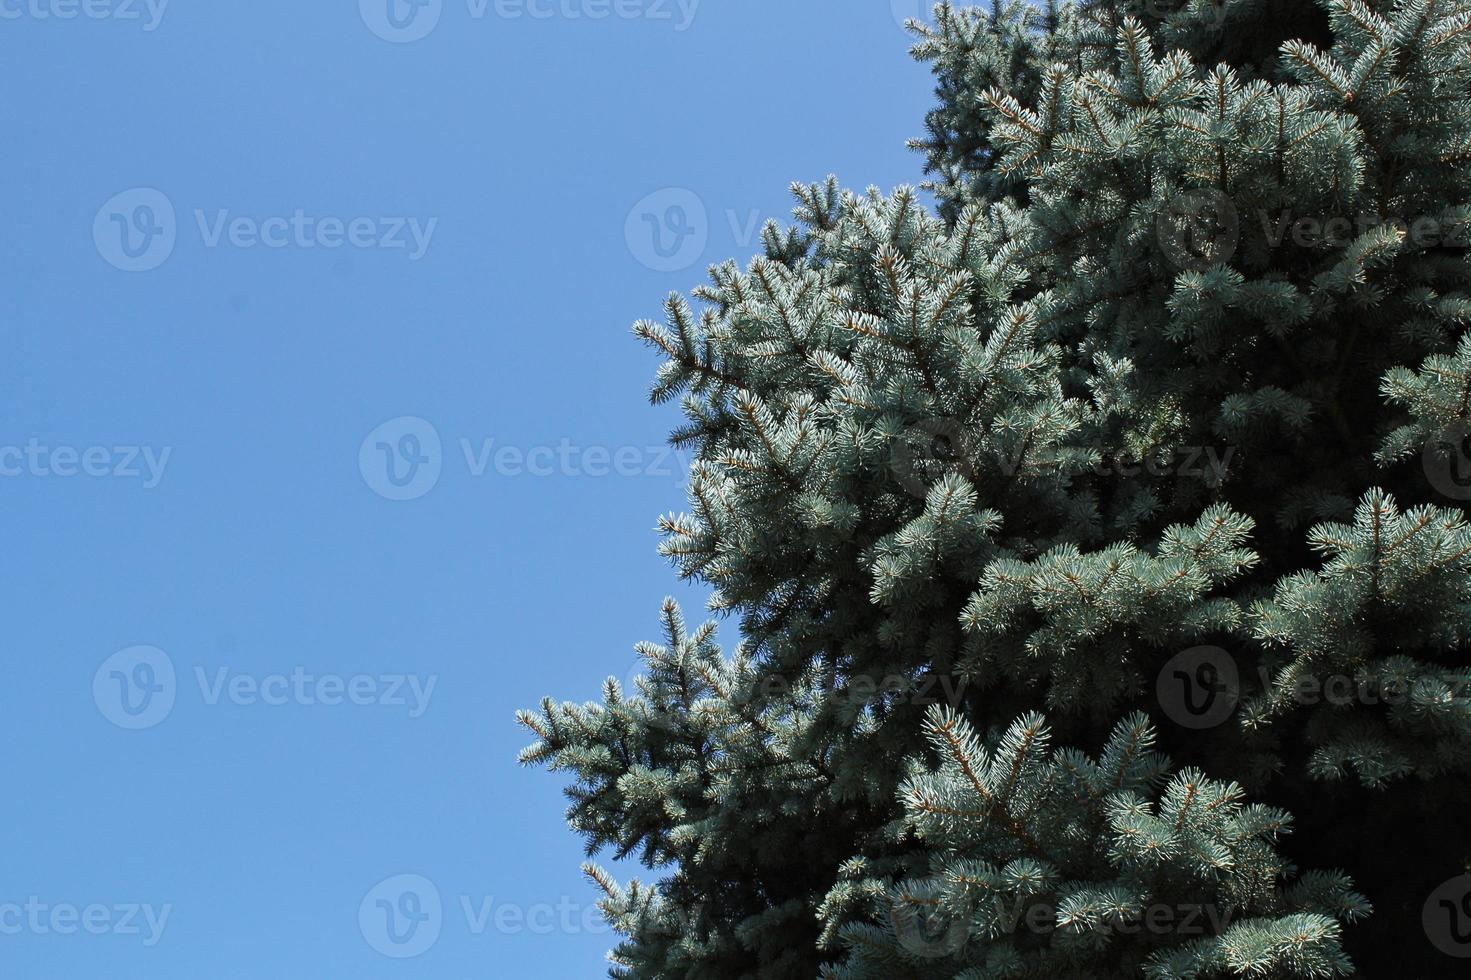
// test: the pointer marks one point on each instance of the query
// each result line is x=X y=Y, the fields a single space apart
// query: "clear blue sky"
x=220 y=328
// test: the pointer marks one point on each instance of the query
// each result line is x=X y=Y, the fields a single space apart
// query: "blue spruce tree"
x=1097 y=540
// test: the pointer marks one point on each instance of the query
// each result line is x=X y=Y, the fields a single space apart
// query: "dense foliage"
x=1149 y=441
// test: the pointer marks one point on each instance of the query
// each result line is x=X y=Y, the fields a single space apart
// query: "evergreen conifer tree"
x=1097 y=539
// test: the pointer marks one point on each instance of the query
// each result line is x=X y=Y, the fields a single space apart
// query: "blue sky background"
x=270 y=542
